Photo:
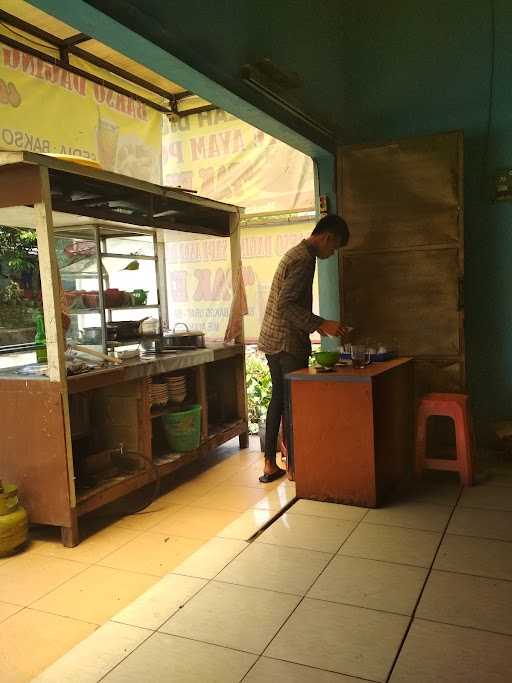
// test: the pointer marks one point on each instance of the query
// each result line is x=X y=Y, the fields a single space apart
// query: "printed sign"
x=199 y=276
x=226 y=159
x=44 y=108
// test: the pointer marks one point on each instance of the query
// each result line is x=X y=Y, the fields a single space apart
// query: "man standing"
x=289 y=320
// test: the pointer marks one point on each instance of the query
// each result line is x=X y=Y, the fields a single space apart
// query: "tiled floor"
x=52 y=597
x=416 y=592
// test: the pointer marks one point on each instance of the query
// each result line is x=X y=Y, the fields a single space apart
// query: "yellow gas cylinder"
x=13 y=520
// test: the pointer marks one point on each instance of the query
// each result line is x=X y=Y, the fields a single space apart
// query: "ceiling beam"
x=119 y=71
x=68 y=45
x=74 y=40
x=80 y=72
x=24 y=26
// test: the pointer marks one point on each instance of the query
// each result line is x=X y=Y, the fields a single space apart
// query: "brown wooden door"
x=402 y=272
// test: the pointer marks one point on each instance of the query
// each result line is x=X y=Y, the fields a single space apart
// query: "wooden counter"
x=352 y=431
x=107 y=407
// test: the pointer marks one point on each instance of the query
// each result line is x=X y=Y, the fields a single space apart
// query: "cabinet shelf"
x=86 y=311
x=130 y=257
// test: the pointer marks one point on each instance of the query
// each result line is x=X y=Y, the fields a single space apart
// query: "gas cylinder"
x=13 y=520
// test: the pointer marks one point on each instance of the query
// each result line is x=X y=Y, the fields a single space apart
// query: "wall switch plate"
x=503 y=185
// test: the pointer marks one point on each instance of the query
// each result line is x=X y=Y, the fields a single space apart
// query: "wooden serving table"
x=58 y=433
x=352 y=431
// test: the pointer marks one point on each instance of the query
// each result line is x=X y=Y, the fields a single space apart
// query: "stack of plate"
x=159 y=394
x=177 y=387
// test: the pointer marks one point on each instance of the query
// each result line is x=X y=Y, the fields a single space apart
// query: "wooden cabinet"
x=352 y=432
x=57 y=430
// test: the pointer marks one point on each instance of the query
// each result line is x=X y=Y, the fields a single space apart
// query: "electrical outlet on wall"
x=503 y=185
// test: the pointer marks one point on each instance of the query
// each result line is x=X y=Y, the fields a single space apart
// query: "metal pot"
x=123 y=329
x=185 y=339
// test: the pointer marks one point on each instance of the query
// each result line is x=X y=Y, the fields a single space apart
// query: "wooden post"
x=50 y=282
x=51 y=293
x=236 y=258
x=161 y=279
x=236 y=263
x=202 y=399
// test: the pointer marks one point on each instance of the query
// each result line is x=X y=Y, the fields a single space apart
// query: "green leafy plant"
x=18 y=248
x=259 y=389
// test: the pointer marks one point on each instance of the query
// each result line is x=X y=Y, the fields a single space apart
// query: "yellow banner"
x=226 y=159
x=199 y=276
x=44 y=108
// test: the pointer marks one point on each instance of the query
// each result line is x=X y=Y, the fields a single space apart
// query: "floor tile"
x=247 y=524
x=186 y=493
x=164 y=658
x=232 y=616
x=341 y=638
x=276 y=499
x=244 y=458
x=98 y=545
x=371 y=584
x=392 y=544
x=311 y=533
x=7 y=610
x=211 y=558
x=95 y=594
x=465 y=600
x=195 y=522
x=332 y=510
x=267 y=670
x=275 y=568
x=233 y=498
x=32 y=640
x=495 y=524
x=250 y=477
x=148 y=518
x=213 y=477
x=487 y=496
x=436 y=492
x=413 y=515
x=152 y=553
x=477 y=556
x=4 y=560
x=501 y=475
x=160 y=602
x=438 y=653
x=28 y=577
x=95 y=656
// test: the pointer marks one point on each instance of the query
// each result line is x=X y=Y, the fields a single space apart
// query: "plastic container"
x=183 y=429
x=13 y=520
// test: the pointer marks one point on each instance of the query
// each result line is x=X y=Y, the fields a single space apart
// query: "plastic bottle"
x=40 y=338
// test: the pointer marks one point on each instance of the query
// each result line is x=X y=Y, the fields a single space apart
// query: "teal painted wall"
x=218 y=36
x=417 y=68
x=384 y=70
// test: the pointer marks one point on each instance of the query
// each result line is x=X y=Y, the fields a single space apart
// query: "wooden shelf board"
x=116 y=488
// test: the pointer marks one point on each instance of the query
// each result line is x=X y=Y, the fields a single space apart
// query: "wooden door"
x=402 y=272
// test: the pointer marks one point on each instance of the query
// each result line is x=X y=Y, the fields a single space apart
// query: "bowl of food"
x=327 y=359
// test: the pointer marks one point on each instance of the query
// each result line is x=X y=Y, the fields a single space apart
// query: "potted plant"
x=259 y=390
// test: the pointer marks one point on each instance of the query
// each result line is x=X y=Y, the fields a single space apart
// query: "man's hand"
x=333 y=328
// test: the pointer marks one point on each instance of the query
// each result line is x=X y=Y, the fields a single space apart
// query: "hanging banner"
x=198 y=272
x=226 y=159
x=44 y=108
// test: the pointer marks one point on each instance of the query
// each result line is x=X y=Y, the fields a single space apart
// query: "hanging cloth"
x=238 y=307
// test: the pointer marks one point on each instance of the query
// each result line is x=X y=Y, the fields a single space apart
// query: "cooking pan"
x=185 y=338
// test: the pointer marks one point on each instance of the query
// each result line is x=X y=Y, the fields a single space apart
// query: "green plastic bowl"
x=327 y=359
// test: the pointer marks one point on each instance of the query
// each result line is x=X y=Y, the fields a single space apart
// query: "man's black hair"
x=333 y=224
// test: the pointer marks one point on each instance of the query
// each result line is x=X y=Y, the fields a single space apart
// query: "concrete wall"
x=383 y=70
x=417 y=68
